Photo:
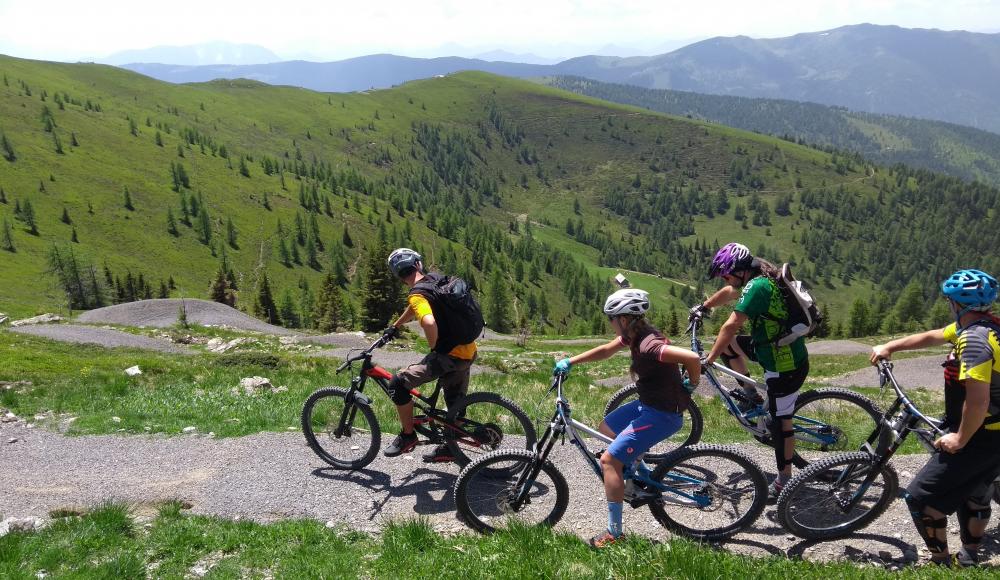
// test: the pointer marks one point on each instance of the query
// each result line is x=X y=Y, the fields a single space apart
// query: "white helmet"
x=627 y=301
x=403 y=261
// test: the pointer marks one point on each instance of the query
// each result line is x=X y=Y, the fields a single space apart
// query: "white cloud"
x=71 y=29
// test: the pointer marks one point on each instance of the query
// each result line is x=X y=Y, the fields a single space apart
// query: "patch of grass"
x=106 y=544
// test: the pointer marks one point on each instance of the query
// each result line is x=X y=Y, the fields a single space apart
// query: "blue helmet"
x=971 y=288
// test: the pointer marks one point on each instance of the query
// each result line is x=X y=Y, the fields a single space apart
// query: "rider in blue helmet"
x=957 y=480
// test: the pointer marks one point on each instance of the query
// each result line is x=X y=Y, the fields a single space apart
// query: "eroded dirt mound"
x=162 y=313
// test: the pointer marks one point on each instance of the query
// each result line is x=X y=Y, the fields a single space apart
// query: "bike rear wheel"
x=710 y=492
x=831 y=420
x=813 y=505
x=689 y=433
x=486 y=421
x=343 y=433
x=510 y=487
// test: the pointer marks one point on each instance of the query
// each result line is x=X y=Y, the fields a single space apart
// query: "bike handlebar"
x=884 y=367
x=366 y=353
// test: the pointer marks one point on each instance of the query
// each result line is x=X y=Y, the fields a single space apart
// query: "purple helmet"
x=731 y=258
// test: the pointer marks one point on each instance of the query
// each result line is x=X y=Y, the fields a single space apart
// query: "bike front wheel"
x=708 y=492
x=344 y=433
x=836 y=496
x=831 y=420
x=483 y=422
x=688 y=434
x=510 y=487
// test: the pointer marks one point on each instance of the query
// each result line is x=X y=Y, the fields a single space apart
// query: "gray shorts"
x=452 y=375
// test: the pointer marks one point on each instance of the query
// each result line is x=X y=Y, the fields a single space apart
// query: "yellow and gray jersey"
x=977 y=349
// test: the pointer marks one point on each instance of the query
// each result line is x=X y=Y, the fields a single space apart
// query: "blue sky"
x=76 y=30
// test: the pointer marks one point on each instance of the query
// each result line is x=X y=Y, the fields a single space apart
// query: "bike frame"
x=429 y=424
x=564 y=424
x=755 y=420
x=900 y=426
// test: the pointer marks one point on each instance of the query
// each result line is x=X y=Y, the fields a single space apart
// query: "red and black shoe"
x=403 y=443
x=603 y=540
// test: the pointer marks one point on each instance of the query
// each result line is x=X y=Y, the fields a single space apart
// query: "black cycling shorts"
x=950 y=479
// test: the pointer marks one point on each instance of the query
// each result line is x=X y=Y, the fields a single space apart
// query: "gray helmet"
x=402 y=261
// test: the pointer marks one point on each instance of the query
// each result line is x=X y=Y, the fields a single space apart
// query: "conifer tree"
x=73 y=237
x=8 y=148
x=264 y=307
x=326 y=315
x=8 y=237
x=65 y=217
x=289 y=314
x=231 y=234
x=244 y=170
x=128 y=199
x=3 y=196
x=172 y=223
x=498 y=302
x=204 y=227
x=381 y=295
x=219 y=290
x=28 y=217
x=346 y=239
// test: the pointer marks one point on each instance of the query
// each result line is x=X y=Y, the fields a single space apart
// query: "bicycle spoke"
x=489 y=492
x=836 y=496
x=708 y=492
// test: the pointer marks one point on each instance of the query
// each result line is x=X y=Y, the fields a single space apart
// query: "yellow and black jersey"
x=977 y=351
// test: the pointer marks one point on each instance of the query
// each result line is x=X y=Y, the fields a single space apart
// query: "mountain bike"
x=824 y=420
x=841 y=494
x=341 y=427
x=705 y=492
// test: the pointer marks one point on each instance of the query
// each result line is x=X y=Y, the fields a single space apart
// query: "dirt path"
x=106 y=337
x=272 y=476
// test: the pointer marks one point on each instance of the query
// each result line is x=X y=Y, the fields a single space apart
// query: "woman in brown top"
x=663 y=395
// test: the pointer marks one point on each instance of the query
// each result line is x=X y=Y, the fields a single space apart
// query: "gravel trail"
x=271 y=476
x=921 y=371
x=105 y=337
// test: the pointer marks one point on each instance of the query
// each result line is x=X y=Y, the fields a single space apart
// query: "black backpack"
x=458 y=316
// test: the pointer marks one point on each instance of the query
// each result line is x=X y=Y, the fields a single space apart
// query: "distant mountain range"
x=949 y=76
x=208 y=53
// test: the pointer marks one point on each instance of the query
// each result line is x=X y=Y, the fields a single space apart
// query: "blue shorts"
x=639 y=427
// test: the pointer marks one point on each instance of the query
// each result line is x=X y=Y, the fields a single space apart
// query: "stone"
x=8 y=418
x=189 y=429
x=12 y=440
x=133 y=371
x=20 y=525
x=42 y=319
x=254 y=385
x=3 y=318
x=116 y=419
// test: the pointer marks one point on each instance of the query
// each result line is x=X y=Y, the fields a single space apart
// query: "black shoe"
x=403 y=443
x=439 y=454
x=746 y=400
x=966 y=558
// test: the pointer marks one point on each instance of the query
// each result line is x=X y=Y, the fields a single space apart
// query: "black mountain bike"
x=341 y=427
x=824 y=420
x=706 y=492
x=841 y=494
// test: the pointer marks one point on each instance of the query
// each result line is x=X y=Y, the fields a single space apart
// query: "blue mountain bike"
x=705 y=492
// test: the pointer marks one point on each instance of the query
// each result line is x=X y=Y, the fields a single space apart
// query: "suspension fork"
x=542 y=449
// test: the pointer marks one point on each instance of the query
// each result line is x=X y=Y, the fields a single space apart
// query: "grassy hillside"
x=886 y=139
x=489 y=177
